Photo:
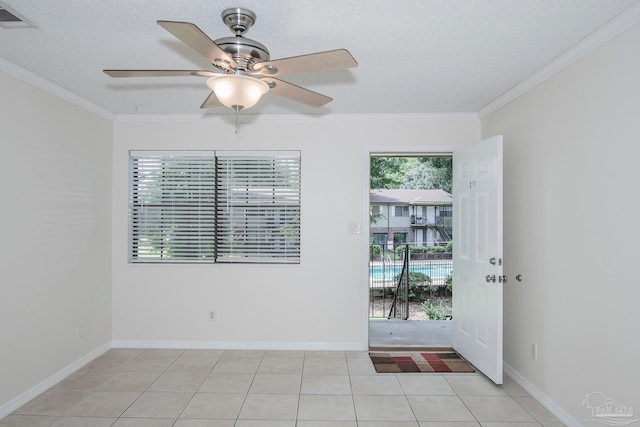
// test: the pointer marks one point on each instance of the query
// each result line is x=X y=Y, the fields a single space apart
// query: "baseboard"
x=416 y=348
x=34 y=391
x=241 y=345
x=544 y=400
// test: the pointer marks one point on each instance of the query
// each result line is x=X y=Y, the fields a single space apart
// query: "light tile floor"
x=235 y=388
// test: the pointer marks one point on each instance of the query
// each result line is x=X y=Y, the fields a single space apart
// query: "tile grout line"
x=197 y=388
x=353 y=370
x=149 y=386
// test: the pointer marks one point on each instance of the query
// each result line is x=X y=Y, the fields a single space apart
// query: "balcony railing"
x=443 y=221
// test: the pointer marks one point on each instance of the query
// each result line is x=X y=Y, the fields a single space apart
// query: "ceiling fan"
x=243 y=68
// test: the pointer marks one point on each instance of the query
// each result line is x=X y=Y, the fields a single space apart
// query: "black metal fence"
x=387 y=294
x=400 y=302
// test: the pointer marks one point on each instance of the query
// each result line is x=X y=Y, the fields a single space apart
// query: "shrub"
x=440 y=249
x=420 y=286
x=416 y=278
x=374 y=249
x=412 y=249
x=399 y=250
x=434 y=313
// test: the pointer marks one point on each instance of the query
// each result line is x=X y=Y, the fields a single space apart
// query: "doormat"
x=419 y=361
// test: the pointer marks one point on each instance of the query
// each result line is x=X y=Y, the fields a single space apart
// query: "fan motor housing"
x=244 y=51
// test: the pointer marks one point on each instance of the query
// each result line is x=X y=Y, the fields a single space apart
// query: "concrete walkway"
x=394 y=333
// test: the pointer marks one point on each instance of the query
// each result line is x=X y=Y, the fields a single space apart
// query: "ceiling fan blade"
x=297 y=93
x=321 y=61
x=159 y=73
x=211 y=101
x=193 y=37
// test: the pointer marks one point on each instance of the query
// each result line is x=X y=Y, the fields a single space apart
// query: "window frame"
x=271 y=224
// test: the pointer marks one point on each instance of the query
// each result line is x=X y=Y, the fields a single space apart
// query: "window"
x=214 y=207
x=258 y=213
x=379 y=238
x=399 y=239
x=401 y=210
x=171 y=207
x=446 y=211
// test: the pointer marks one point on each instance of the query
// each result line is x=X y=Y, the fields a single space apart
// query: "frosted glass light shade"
x=237 y=92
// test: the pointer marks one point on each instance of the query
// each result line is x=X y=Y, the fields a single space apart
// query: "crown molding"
x=610 y=30
x=296 y=118
x=27 y=76
x=33 y=79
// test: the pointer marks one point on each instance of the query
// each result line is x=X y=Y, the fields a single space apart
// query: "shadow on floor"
x=394 y=333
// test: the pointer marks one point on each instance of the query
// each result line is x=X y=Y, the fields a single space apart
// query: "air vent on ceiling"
x=11 y=19
x=6 y=16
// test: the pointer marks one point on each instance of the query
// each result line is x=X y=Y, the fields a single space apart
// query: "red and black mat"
x=419 y=361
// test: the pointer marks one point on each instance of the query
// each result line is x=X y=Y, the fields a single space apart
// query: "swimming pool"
x=390 y=271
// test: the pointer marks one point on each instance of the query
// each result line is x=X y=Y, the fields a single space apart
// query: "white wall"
x=572 y=145
x=55 y=261
x=317 y=304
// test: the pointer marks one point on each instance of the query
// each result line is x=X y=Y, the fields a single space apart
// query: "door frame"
x=386 y=150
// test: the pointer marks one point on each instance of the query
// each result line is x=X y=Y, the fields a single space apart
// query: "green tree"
x=430 y=173
x=419 y=173
x=387 y=172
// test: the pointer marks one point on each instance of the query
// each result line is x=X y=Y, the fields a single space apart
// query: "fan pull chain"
x=237 y=113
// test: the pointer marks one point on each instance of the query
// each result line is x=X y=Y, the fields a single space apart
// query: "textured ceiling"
x=415 y=56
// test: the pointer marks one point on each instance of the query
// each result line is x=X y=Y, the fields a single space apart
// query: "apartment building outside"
x=417 y=217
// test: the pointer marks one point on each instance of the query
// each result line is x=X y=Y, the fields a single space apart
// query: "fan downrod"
x=244 y=51
x=238 y=20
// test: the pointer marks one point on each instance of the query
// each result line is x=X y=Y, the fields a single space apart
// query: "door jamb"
x=387 y=150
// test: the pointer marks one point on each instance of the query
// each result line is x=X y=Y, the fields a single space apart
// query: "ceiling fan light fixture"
x=237 y=91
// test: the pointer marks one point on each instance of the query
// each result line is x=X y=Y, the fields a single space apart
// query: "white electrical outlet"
x=534 y=351
x=211 y=316
x=78 y=332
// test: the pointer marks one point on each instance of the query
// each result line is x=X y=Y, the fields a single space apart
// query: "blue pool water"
x=389 y=271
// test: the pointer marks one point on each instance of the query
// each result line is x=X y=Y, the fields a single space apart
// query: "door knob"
x=490 y=278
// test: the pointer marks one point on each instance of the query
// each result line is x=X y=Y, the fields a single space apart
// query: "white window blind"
x=258 y=207
x=172 y=207
x=214 y=207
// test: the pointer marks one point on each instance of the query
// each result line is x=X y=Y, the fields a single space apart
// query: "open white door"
x=477 y=256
